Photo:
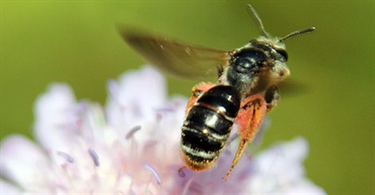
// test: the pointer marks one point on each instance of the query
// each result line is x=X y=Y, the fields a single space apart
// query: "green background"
x=76 y=42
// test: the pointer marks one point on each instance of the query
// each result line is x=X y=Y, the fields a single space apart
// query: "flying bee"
x=246 y=89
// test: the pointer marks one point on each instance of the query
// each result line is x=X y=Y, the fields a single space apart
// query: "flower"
x=132 y=147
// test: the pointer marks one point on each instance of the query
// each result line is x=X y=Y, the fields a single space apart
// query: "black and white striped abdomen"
x=207 y=126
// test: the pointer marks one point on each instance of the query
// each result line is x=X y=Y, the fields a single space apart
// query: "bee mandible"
x=246 y=88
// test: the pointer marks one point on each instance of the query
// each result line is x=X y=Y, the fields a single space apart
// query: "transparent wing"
x=175 y=58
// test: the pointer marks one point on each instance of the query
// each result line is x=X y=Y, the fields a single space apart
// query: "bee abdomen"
x=207 y=126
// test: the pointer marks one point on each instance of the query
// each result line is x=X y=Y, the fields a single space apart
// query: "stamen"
x=132 y=131
x=193 y=187
x=94 y=156
x=187 y=186
x=66 y=156
x=153 y=171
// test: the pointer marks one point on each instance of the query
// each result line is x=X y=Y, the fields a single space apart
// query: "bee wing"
x=176 y=58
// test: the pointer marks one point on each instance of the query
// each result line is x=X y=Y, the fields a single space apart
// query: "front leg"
x=272 y=97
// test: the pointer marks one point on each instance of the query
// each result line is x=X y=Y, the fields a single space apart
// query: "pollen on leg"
x=240 y=150
x=197 y=90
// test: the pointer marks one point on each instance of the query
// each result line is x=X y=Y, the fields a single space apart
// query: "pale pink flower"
x=132 y=147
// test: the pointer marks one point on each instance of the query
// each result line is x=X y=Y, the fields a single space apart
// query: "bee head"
x=260 y=63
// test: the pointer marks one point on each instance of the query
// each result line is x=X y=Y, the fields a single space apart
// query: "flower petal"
x=280 y=169
x=23 y=162
x=54 y=112
x=136 y=96
x=7 y=188
x=134 y=148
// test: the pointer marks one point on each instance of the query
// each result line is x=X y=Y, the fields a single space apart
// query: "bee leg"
x=197 y=91
x=272 y=97
x=249 y=119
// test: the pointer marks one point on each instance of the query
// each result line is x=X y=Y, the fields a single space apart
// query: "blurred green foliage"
x=76 y=42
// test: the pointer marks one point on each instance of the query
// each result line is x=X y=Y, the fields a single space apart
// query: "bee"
x=246 y=88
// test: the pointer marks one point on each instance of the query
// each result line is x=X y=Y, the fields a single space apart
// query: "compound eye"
x=247 y=61
x=283 y=54
x=244 y=65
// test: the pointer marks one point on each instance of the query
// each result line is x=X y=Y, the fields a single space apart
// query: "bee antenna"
x=258 y=20
x=298 y=32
